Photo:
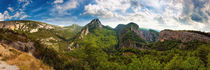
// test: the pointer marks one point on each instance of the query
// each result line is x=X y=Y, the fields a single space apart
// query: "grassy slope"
x=23 y=60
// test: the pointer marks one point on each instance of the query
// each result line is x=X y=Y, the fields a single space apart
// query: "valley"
x=34 y=45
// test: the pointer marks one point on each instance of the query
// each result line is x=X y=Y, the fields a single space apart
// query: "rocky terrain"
x=184 y=36
x=27 y=26
x=149 y=35
x=131 y=35
x=13 y=59
x=36 y=45
x=53 y=36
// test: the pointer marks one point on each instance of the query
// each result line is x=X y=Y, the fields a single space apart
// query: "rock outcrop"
x=27 y=26
x=95 y=23
x=184 y=36
x=129 y=36
x=149 y=35
x=18 y=41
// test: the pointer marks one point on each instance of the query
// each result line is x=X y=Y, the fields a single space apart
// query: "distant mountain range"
x=129 y=35
x=29 y=36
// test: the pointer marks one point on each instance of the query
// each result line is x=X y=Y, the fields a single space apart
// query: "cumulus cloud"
x=10 y=9
x=62 y=8
x=1 y=17
x=24 y=2
x=107 y=8
x=18 y=13
x=99 y=11
x=58 y=1
x=24 y=16
x=157 y=14
x=197 y=10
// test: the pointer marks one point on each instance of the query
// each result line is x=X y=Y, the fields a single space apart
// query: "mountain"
x=129 y=36
x=149 y=35
x=184 y=36
x=25 y=25
x=22 y=60
x=18 y=49
x=97 y=34
x=36 y=45
x=53 y=36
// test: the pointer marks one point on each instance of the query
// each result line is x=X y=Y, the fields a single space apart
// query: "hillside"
x=53 y=36
x=36 y=45
x=149 y=35
x=184 y=36
x=22 y=60
x=96 y=33
x=131 y=36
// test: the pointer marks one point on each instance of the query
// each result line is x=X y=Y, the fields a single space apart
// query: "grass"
x=23 y=60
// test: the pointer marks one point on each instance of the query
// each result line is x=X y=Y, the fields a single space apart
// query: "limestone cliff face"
x=184 y=36
x=27 y=26
x=129 y=36
x=93 y=24
x=149 y=35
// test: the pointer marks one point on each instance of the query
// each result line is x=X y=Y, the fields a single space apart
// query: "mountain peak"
x=133 y=25
x=95 y=23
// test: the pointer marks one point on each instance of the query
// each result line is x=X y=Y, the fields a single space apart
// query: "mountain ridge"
x=104 y=48
x=93 y=29
x=184 y=35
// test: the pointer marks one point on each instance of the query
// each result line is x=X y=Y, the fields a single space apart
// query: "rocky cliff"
x=129 y=36
x=184 y=36
x=149 y=35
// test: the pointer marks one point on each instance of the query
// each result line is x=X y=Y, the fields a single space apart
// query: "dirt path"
x=5 y=66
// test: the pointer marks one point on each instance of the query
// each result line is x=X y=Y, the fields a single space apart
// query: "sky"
x=151 y=14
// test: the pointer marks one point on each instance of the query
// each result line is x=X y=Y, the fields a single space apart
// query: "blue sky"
x=155 y=14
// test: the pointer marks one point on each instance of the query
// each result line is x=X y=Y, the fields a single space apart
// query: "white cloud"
x=163 y=14
x=206 y=10
x=24 y=2
x=18 y=13
x=64 y=7
x=153 y=3
x=107 y=8
x=10 y=9
x=69 y=5
x=1 y=17
x=58 y=1
x=98 y=11
x=7 y=15
x=114 y=5
x=24 y=16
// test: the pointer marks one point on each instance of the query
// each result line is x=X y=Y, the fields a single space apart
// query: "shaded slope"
x=129 y=36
